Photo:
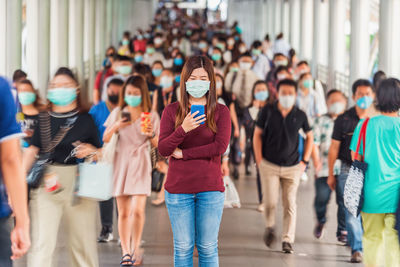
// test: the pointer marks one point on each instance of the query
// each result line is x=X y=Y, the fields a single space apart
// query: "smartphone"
x=126 y=116
x=199 y=108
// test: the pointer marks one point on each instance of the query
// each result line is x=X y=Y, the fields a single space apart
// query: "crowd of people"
x=190 y=101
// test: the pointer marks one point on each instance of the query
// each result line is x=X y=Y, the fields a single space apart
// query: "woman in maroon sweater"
x=195 y=144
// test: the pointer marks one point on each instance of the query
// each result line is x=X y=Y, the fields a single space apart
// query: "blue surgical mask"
x=178 y=78
x=364 y=102
x=202 y=45
x=133 y=100
x=138 y=58
x=26 y=98
x=178 y=61
x=62 y=96
x=197 y=88
x=150 y=50
x=262 y=95
x=216 y=57
x=124 y=70
x=156 y=72
x=166 y=82
x=125 y=42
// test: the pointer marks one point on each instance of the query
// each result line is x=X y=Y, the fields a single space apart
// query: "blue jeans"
x=322 y=197
x=353 y=225
x=195 y=219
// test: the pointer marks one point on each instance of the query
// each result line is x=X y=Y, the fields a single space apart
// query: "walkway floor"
x=240 y=237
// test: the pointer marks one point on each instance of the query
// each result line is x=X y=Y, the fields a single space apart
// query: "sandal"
x=126 y=261
x=158 y=201
x=138 y=258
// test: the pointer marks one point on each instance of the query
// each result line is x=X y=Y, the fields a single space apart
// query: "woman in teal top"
x=382 y=178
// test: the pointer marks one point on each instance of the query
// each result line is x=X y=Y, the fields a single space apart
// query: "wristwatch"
x=154 y=135
x=305 y=162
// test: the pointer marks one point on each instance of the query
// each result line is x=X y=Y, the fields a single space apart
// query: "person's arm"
x=170 y=138
x=14 y=180
x=257 y=145
x=234 y=119
x=221 y=140
x=315 y=154
x=155 y=101
x=309 y=143
x=354 y=143
x=332 y=157
x=96 y=89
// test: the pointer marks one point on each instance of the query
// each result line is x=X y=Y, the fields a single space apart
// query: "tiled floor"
x=240 y=237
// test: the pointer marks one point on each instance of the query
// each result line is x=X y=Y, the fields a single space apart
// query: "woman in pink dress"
x=132 y=163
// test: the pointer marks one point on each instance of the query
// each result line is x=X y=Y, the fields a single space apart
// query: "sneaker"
x=269 y=236
x=235 y=173
x=287 y=248
x=319 y=231
x=356 y=257
x=105 y=235
x=342 y=239
x=304 y=177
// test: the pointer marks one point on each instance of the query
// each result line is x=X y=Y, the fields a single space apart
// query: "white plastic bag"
x=232 y=199
x=109 y=149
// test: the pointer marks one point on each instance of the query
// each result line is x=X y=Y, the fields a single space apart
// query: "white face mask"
x=245 y=65
x=242 y=49
x=219 y=85
x=287 y=101
x=281 y=77
x=158 y=41
x=231 y=42
x=336 y=108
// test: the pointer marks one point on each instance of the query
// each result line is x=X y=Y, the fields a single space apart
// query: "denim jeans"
x=195 y=219
x=322 y=197
x=353 y=225
x=5 y=242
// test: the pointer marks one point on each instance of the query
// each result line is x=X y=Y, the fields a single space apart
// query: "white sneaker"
x=304 y=177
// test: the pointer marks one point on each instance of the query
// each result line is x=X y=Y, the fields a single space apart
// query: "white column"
x=115 y=24
x=89 y=46
x=294 y=32
x=76 y=8
x=3 y=32
x=359 y=40
x=109 y=22
x=389 y=37
x=285 y=13
x=320 y=40
x=277 y=17
x=337 y=39
x=58 y=34
x=264 y=11
x=100 y=25
x=13 y=26
x=271 y=24
x=38 y=42
x=306 y=29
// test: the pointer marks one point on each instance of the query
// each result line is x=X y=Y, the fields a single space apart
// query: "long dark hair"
x=196 y=62
x=138 y=81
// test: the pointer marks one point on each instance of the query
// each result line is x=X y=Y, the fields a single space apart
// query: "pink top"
x=132 y=163
x=200 y=168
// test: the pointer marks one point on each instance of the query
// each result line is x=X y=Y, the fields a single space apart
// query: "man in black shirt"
x=345 y=124
x=276 y=142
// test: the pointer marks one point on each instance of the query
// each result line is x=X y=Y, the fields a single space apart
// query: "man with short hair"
x=345 y=124
x=261 y=64
x=275 y=144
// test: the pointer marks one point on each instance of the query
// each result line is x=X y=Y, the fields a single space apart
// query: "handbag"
x=232 y=199
x=95 y=180
x=354 y=187
x=157 y=177
x=38 y=169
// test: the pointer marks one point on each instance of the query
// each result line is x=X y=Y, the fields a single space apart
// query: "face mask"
x=62 y=96
x=26 y=98
x=216 y=57
x=178 y=61
x=147 y=36
x=166 y=82
x=156 y=72
x=234 y=69
x=202 y=45
x=364 y=102
x=236 y=38
x=262 y=95
x=125 y=42
x=133 y=100
x=242 y=49
x=280 y=63
x=220 y=46
x=178 y=78
x=150 y=50
x=336 y=108
x=256 y=52
x=189 y=33
x=218 y=85
x=175 y=43
x=308 y=84
x=287 y=101
x=140 y=37
x=174 y=31
x=124 y=70
x=158 y=41
x=138 y=59
x=197 y=88
x=231 y=42
x=245 y=65
x=113 y=98
x=281 y=77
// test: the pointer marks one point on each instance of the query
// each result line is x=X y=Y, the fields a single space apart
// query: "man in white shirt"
x=261 y=65
x=281 y=46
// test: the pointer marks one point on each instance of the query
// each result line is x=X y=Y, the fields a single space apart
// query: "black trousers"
x=107 y=212
x=5 y=242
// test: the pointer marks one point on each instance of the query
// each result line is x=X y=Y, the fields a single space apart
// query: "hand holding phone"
x=200 y=109
x=193 y=120
x=126 y=116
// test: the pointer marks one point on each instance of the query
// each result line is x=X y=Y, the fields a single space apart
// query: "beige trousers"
x=47 y=210
x=288 y=178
